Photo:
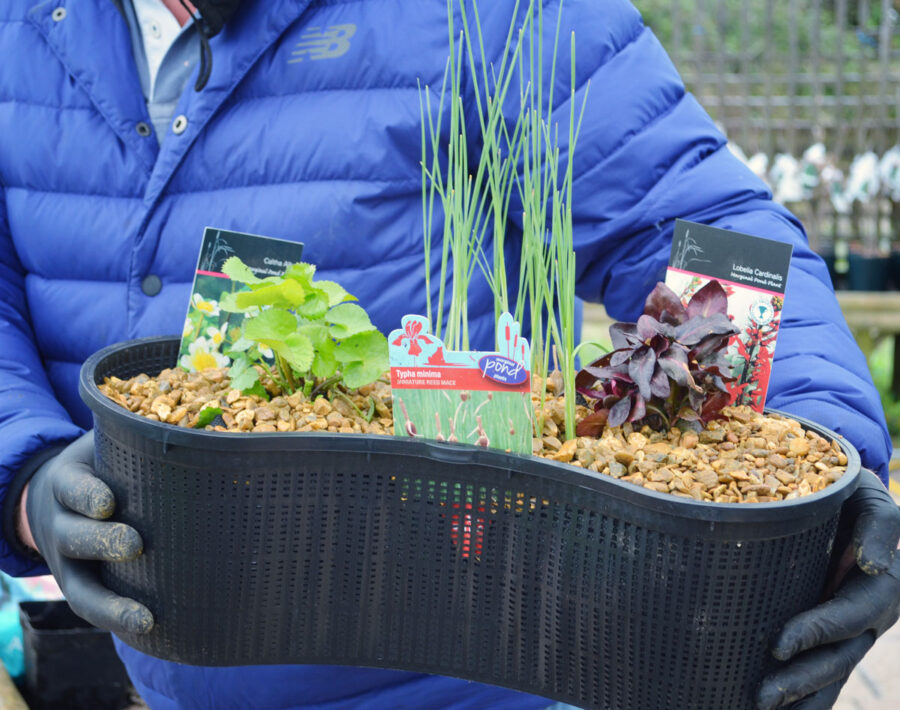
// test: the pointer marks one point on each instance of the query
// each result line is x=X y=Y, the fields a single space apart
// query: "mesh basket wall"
x=375 y=551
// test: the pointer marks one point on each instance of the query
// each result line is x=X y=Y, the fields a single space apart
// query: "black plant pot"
x=868 y=273
x=444 y=558
x=895 y=270
x=69 y=663
x=838 y=279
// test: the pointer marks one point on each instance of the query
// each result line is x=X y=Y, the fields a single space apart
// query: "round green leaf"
x=273 y=324
x=334 y=291
x=363 y=358
x=286 y=294
x=302 y=273
x=242 y=374
x=315 y=306
x=297 y=350
x=358 y=374
x=237 y=270
x=348 y=319
x=364 y=347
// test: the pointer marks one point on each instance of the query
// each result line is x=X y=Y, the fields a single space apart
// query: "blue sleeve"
x=30 y=417
x=648 y=153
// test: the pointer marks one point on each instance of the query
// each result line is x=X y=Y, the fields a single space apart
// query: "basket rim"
x=170 y=435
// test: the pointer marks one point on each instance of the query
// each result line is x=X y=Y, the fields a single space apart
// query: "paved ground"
x=875 y=685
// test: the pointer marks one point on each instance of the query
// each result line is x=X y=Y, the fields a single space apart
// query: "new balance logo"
x=318 y=43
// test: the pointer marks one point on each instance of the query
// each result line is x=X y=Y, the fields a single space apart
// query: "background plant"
x=317 y=336
x=668 y=369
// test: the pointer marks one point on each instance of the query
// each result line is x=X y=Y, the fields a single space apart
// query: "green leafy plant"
x=668 y=369
x=317 y=338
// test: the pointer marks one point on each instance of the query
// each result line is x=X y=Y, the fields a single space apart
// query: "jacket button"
x=179 y=124
x=143 y=129
x=151 y=285
x=58 y=14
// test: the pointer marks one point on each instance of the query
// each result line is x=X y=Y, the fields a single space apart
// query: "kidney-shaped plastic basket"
x=448 y=559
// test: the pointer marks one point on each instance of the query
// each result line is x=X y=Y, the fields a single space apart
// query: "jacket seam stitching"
x=26 y=102
x=411 y=181
x=69 y=192
x=302 y=92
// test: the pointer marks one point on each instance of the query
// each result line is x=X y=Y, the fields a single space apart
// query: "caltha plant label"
x=481 y=398
x=753 y=272
x=210 y=330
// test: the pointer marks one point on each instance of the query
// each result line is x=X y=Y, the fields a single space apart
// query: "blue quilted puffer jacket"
x=326 y=151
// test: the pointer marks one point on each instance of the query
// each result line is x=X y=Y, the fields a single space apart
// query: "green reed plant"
x=547 y=273
x=465 y=191
x=519 y=157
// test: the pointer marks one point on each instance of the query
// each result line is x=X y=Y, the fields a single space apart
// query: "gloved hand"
x=65 y=504
x=825 y=643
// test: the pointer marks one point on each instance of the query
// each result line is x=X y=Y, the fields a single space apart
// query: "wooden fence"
x=781 y=75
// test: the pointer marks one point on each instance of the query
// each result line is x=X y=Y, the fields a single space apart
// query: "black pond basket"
x=442 y=558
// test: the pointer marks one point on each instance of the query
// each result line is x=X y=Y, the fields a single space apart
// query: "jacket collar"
x=91 y=40
x=93 y=44
x=254 y=28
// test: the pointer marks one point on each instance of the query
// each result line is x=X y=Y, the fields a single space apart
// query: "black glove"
x=826 y=643
x=64 y=506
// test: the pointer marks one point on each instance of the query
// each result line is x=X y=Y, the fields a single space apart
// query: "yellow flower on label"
x=217 y=335
x=202 y=361
x=202 y=355
x=188 y=328
x=207 y=306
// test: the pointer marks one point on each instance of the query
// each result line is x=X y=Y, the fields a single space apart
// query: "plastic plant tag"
x=481 y=398
x=753 y=271
x=209 y=331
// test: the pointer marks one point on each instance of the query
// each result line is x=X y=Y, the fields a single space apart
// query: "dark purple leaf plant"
x=667 y=370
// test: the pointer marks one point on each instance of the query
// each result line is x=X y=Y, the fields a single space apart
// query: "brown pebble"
x=799 y=447
x=552 y=443
x=244 y=419
x=712 y=436
x=662 y=475
x=585 y=456
x=624 y=457
x=322 y=406
x=785 y=477
x=778 y=461
x=566 y=451
x=689 y=439
x=264 y=414
x=617 y=470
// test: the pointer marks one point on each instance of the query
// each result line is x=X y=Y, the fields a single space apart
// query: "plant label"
x=753 y=271
x=208 y=330
x=481 y=398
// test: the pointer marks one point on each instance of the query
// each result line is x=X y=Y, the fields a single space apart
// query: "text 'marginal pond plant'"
x=666 y=370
